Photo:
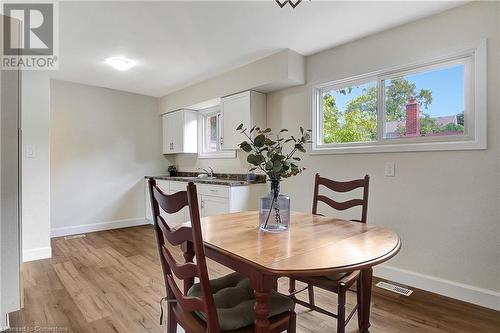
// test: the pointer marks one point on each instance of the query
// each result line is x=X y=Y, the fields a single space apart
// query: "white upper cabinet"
x=249 y=108
x=180 y=132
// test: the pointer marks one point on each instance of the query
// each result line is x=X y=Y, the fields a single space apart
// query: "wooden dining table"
x=312 y=246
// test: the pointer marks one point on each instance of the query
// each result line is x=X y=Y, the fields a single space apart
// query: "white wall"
x=281 y=69
x=444 y=205
x=36 y=167
x=103 y=143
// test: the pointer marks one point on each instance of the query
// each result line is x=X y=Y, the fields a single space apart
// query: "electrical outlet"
x=30 y=151
x=390 y=169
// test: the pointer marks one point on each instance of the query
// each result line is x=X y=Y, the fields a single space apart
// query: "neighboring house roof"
x=442 y=121
x=391 y=126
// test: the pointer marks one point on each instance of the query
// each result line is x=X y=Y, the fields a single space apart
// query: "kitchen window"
x=435 y=105
x=210 y=130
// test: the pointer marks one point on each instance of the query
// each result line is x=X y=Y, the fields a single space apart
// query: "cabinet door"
x=235 y=110
x=213 y=205
x=147 y=203
x=177 y=130
x=173 y=132
x=167 y=139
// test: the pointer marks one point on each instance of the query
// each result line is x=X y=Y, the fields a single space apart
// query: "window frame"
x=203 y=115
x=474 y=137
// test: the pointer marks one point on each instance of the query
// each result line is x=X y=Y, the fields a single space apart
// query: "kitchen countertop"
x=221 y=179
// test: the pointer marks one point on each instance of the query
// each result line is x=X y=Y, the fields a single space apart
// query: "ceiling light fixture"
x=121 y=64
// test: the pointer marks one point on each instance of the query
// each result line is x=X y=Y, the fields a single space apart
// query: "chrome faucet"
x=209 y=173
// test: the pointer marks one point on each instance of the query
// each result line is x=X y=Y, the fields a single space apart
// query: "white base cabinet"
x=212 y=199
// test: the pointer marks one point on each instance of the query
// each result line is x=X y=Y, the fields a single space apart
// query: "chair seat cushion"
x=234 y=300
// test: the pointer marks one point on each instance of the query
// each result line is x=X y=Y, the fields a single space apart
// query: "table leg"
x=188 y=252
x=263 y=284
x=366 y=296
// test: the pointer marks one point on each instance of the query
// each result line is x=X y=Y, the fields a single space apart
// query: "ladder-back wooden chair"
x=341 y=282
x=223 y=304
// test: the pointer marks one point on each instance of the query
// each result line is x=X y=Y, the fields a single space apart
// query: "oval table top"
x=313 y=245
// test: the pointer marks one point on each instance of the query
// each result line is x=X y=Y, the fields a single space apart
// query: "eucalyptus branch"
x=267 y=154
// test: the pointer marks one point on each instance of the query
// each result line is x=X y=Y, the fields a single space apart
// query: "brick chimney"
x=412 y=118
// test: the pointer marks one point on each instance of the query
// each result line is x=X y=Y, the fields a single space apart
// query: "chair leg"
x=292 y=323
x=310 y=290
x=291 y=286
x=341 y=311
x=171 y=320
x=360 y=304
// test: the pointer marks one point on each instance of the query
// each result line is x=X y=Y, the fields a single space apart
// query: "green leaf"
x=240 y=126
x=301 y=130
x=283 y=130
x=269 y=142
x=300 y=148
x=267 y=130
x=297 y=158
x=252 y=169
x=277 y=166
x=252 y=129
x=246 y=148
x=269 y=165
x=255 y=159
x=259 y=140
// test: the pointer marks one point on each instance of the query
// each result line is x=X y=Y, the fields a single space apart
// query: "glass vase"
x=274 y=209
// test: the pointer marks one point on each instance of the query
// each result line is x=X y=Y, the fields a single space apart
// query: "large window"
x=438 y=105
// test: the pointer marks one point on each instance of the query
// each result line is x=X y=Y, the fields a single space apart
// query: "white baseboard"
x=80 y=229
x=37 y=253
x=467 y=293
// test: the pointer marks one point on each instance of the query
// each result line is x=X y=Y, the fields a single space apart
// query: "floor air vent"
x=394 y=288
x=75 y=236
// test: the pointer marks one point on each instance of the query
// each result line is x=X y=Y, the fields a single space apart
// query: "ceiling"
x=176 y=44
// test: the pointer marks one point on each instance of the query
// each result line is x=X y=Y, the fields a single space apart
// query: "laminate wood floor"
x=111 y=281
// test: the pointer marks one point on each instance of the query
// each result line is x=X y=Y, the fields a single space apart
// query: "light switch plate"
x=390 y=169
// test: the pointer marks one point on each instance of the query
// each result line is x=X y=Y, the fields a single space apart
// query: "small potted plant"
x=275 y=156
x=172 y=171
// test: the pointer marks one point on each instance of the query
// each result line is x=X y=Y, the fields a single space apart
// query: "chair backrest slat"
x=174 y=237
x=172 y=203
x=341 y=205
x=183 y=270
x=188 y=304
x=337 y=186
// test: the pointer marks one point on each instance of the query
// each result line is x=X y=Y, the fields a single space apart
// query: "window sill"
x=220 y=154
x=399 y=147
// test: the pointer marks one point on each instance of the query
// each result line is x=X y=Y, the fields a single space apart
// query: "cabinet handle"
x=221 y=141
x=202 y=204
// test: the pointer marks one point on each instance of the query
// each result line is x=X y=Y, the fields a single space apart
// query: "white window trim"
x=475 y=112
x=201 y=137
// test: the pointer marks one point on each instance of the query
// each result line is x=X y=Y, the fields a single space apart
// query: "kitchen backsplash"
x=191 y=163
